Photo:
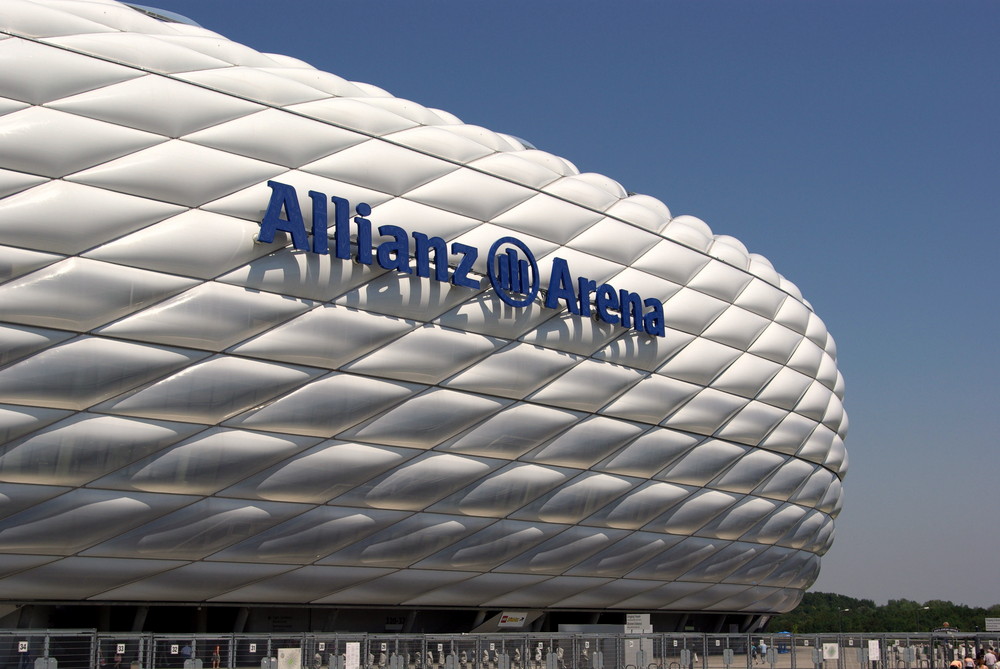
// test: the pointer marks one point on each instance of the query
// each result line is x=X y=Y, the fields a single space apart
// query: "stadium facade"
x=277 y=346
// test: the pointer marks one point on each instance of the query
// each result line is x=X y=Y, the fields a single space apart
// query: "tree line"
x=824 y=612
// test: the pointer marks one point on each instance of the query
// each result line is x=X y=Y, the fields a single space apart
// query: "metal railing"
x=86 y=649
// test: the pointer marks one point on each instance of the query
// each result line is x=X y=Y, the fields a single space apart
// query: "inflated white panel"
x=432 y=222
x=567 y=332
x=739 y=519
x=300 y=274
x=476 y=590
x=404 y=108
x=584 y=189
x=354 y=114
x=306 y=340
x=650 y=400
x=225 y=243
x=706 y=412
x=305 y=584
x=502 y=373
x=699 y=362
x=747 y=376
x=427 y=419
x=305 y=74
x=689 y=231
x=37 y=74
x=776 y=343
x=318 y=531
x=405 y=296
x=512 y=432
x=326 y=406
x=695 y=512
x=587 y=386
x=723 y=563
x=751 y=424
x=18 y=262
x=703 y=463
x=87 y=370
x=195 y=531
x=626 y=554
x=428 y=354
x=504 y=491
x=641 y=506
x=156 y=104
x=470 y=193
x=587 y=442
x=747 y=473
x=146 y=51
x=562 y=551
x=70 y=218
x=736 y=327
x=395 y=589
x=790 y=434
x=321 y=473
x=353 y=165
x=644 y=353
x=65 y=525
x=193 y=581
x=61 y=578
x=288 y=140
x=515 y=167
x=35 y=20
x=443 y=143
x=785 y=389
x=576 y=499
x=178 y=172
x=484 y=136
x=549 y=218
x=206 y=463
x=673 y=562
x=407 y=541
x=15 y=182
x=251 y=202
x=692 y=311
x=730 y=251
x=78 y=293
x=255 y=84
x=786 y=480
x=89 y=446
x=650 y=453
x=55 y=143
x=235 y=314
x=19 y=341
x=491 y=546
x=16 y=421
x=232 y=384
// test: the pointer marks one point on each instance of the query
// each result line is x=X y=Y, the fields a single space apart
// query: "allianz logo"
x=511 y=267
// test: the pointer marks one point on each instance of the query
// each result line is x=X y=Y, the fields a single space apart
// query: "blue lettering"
x=607 y=298
x=653 y=321
x=283 y=198
x=461 y=275
x=399 y=245
x=586 y=287
x=631 y=308
x=423 y=254
x=515 y=278
x=321 y=244
x=561 y=287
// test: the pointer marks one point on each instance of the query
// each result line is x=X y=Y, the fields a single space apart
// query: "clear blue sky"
x=854 y=143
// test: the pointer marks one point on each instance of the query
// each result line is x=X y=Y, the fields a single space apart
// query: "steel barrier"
x=88 y=649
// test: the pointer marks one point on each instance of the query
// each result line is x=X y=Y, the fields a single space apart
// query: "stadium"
x=281 y=349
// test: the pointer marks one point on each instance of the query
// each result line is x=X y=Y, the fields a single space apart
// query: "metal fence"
x=86 y=649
